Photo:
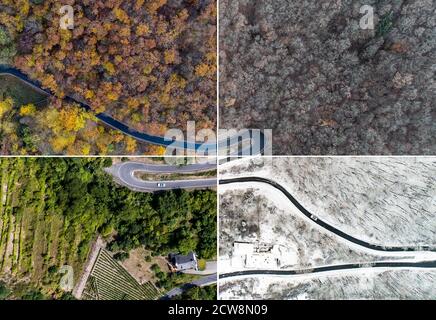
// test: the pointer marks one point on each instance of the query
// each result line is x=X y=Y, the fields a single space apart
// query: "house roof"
x=184 y=261
x=243 y=248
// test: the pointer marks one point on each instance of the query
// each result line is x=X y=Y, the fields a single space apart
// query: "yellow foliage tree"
x=142 y=30
x=139 y=4
x=86 y=149
x=5 y=106
x=176 y=81
x=170 y=56
x=112 y=96
x=24 y=7
x=89 y=94
x=49 y=82
x=202 y=70
x=130 y=145
x=157 y=150
x=148 y=69
x=109 y=67
x=153 y=6
x=72 y=119
x=133 y=103
x=121 y=15
x=27 y=110
x=59 y=143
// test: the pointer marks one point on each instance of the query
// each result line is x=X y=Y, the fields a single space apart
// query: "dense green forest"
x=51 y=210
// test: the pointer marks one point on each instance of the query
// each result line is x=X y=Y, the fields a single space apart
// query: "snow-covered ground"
x=385 y=200
x=252 y=213
x=355 y=284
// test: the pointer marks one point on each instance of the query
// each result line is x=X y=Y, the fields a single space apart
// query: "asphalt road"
x=202 y=282
x=124 y=172
x=226 y=147
x=324 y=224
x=424 y=264
x=352 y=266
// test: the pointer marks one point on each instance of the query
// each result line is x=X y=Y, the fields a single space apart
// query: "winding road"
x=202 y=282
x=339 y=267
x=124 y=173
x=324 y=224
x=254 y=144
x=422 y=257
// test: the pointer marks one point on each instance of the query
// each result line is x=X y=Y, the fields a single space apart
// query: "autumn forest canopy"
x=149 y=64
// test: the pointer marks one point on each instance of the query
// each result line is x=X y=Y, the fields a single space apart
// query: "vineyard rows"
x=110 y=281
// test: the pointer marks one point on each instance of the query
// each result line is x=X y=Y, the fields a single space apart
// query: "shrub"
x=121 y=256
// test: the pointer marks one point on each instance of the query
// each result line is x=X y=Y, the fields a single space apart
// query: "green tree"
x=7 y=47
x=4 y=291
x=121 y=256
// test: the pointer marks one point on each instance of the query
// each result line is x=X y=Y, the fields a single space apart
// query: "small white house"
x=183 y=262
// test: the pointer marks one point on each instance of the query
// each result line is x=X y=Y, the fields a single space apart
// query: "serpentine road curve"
x=324 y=224
x=256 y=143
x=124 y=173
x=419 y=257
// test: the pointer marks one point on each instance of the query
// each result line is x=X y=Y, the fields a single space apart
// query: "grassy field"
x=21 y=93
